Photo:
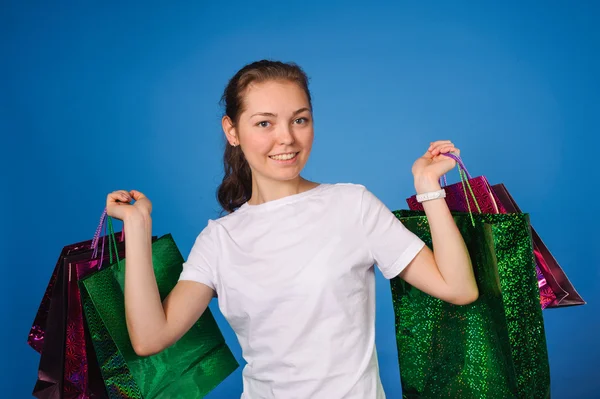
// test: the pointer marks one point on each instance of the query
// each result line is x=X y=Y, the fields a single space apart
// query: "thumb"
x=137 y=195
x=427 y=155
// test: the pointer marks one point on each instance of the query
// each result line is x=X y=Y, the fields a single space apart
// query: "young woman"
x=292 y=261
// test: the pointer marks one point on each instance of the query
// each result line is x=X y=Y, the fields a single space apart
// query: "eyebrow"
x=275 y=115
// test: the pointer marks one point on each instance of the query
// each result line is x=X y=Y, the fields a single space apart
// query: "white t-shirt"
x=295 y=280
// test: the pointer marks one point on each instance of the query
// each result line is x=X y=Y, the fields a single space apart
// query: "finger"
x=440 y=153
x=437 y=148
x=444 y=149
x=447 y=149
x=434 y=144
x=437 y=142
x=427 y=155
x=119 y=196
x=443 y=143
x=124 y=196
x=115 y=195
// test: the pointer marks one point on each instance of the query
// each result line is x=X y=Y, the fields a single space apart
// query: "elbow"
x=144 y=349
x=466 y=298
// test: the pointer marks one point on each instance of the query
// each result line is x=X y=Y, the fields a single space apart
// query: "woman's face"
x=275 y=131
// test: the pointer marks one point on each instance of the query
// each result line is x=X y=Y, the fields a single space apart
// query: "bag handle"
x=111 y=239
x=97 y=235
x=461 y=166
x=465 y=176
x=460 y=163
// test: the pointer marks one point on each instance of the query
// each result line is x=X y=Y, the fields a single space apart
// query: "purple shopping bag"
x=82 y=376
x=68 y=368
x=37 y=332
x=565 y=292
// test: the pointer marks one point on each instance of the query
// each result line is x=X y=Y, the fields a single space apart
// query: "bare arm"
x=447 y=272
x=152 y=325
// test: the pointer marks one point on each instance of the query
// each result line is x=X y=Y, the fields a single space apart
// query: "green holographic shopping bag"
x=190 y=368
x=492 y=348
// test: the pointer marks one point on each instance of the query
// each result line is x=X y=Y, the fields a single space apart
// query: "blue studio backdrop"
x=96 y=97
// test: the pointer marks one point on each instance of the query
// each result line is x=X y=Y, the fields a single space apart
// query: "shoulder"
x=207 y=234
x=350 y=189
x=216 y=225
x=219 y=227
x=354 y=192
x=350 y=197
x=336 y=195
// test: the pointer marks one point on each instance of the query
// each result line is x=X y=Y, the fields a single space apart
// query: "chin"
x=286 y=176
x=281 y=171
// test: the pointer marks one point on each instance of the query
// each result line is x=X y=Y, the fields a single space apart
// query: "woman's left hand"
x=428 y=169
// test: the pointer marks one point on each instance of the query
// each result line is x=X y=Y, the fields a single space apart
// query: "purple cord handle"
x=460 y=164
x=97 y=234
x=96 y=239
x=443 y=181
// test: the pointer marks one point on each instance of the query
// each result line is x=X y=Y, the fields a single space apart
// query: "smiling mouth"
x=284 y=157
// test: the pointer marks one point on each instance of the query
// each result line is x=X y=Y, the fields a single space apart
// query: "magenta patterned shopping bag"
x=82 y=377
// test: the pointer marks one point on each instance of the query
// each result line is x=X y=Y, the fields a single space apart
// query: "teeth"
x=283 y=157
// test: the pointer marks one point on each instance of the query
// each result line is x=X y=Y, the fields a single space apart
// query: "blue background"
x=97 y=97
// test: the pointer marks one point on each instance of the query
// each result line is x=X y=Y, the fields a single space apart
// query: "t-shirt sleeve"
x=200 y=263
x=390 y=243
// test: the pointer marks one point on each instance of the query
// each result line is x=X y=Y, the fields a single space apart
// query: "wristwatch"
x=431 y=195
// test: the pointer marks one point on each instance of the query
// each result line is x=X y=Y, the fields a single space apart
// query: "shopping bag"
x=492 y=348
x=564 y=291
x=58 y=332
x=49 y=384
x=82 y=377
x=474 y=194
x=37 y=332
x=190 y=368
x=476 y=197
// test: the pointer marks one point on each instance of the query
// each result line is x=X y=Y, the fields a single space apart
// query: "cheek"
x=306 y=139
x=258 y=145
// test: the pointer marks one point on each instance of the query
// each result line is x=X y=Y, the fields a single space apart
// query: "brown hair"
x=236 y=187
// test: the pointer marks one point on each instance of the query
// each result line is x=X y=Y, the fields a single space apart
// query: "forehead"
x=274 y=95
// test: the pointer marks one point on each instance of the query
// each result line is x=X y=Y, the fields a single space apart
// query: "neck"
x=265 y=190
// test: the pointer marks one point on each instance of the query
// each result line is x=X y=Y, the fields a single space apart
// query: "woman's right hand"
x=119 y=206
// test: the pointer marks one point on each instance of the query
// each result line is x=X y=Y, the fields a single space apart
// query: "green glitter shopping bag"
x=492 y=348
x=190 y=368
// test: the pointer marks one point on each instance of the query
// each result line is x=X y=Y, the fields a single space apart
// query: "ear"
x=230 y=131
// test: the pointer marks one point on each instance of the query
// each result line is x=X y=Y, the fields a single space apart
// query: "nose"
x=285 y=136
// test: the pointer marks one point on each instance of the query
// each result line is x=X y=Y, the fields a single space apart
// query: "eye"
x=263 y=124
x=301 y=121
